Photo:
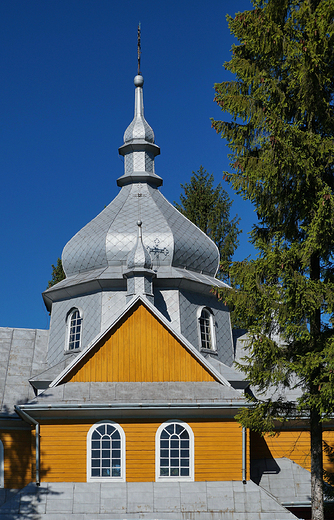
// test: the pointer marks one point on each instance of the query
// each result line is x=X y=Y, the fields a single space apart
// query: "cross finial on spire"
x=139 y=48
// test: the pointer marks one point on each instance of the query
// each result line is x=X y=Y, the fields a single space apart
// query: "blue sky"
x=66 y=97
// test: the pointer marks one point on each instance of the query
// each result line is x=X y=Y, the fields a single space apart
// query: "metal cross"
x=139 y=49
x=156 y=250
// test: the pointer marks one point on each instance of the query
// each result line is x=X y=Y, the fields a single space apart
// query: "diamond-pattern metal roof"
x=171 y=239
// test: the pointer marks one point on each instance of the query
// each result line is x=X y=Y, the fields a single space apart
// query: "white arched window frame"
x=73 y=330
x=206 y=329
x=2 y=479
x=174 y=452
x=106 y=452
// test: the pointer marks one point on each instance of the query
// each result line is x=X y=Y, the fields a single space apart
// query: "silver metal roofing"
x=171 y=239
x=139 y=257
x=22 y=355
x=146 y=500
x=289 y=482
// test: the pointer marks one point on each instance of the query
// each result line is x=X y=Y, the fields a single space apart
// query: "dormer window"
x=206 y=329
x=74 y=324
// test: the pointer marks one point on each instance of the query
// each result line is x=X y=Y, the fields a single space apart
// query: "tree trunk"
x=316 y=467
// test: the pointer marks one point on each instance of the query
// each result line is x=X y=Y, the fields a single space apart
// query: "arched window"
x=106 y=452
x=1 y=466
x=74 y=329
x=206 y=329
x=174 y=452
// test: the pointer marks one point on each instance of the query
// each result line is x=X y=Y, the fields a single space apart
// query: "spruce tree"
x=209 y=208
x=280 y=131
x=58 y=273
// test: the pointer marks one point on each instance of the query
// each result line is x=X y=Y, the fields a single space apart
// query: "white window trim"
x=212 y=329
x=89 y=458
x=191 y=477
x=68 y=328
x=2 y=472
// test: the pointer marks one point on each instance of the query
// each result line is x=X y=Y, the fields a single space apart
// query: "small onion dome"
x=139 y=257
x=139 y=127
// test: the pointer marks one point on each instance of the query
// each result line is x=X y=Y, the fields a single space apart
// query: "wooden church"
x=126 y=407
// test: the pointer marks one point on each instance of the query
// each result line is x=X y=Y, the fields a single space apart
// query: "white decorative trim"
x=68 y=329
x=89 y=458
x=2 y=478
x=212 y=329
x=179 y=478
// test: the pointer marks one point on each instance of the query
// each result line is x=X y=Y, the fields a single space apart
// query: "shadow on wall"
x=264 y=462
x=21 y=497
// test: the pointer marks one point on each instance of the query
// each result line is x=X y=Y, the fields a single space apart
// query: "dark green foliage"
x=209 y=208
x=57 y=274
x=281 y=136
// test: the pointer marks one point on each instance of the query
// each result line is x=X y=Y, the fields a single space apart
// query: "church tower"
x=139 y=244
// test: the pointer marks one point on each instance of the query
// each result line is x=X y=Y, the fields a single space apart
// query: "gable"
x=139 y=348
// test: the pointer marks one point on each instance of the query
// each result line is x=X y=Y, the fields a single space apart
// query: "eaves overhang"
x=137 y=145
x=62 y=411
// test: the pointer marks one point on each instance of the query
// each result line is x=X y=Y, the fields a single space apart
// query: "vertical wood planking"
x=140 y=348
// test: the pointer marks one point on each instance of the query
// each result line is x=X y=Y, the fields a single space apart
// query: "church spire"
x=139 y=273
x=139 y=148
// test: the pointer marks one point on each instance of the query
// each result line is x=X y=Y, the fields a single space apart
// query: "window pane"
x=179 y=429
x=172 y=457
x=103 y=458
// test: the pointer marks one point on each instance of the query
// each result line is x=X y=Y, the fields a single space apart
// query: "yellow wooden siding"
x=328 y=436
x=18 y=458
x=292 y=444
x=140 y=348
x=218 y=451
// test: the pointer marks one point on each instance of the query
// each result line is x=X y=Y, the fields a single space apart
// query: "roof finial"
x=139 y=49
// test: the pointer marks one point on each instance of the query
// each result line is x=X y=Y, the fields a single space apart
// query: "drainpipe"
x=30 y=420
x=244 y=443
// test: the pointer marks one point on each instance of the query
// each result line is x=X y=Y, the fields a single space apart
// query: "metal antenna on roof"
x=139 y=49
